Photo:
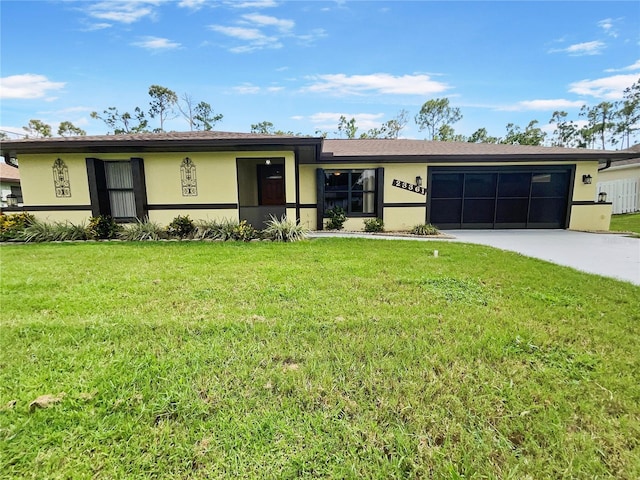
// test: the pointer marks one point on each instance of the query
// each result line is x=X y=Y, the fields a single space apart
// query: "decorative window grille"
x=188 y=177
x=61 y=179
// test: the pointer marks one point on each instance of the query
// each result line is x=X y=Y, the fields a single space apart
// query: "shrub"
x=181 y=227
x=373 y=225
x=283 y=230
x=142 y=230
x=217 y=230
x=103 y=227
x=337 y=217
x=12 y=226
x=39 y=231
x=425 y=229
x=244 y=232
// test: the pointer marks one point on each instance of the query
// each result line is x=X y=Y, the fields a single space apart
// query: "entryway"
x=261 y=189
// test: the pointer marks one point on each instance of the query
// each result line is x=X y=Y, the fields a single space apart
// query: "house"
x=217 y=175
x=621 y=182
x=9 y=183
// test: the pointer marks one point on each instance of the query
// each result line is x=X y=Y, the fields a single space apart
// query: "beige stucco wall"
x=36 y=175
x=595 y=217
x=164 y=217
x=619 y=173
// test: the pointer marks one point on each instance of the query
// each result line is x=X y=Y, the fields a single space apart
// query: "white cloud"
x=247 y=89
x=608 y=88
x=123 y=11
x=608 y=26
x=255 y=38
x=156 y=44
x=250 y=89
x=254 y=4
x=629 y=68
x=377 y=83
x=579 y=49
x=553 y=104
x=192 y=4
x=268 y=21
x=27 y=86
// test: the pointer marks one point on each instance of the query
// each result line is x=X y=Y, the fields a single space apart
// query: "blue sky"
x=303 y=64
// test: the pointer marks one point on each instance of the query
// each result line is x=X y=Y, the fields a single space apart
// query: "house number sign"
x=409 y=186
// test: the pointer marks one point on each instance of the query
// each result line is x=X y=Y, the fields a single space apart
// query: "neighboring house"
x=218 y=175
x=9 y=183
x=621 y=182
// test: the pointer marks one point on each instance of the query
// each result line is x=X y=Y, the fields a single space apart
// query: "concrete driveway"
x=607 y=254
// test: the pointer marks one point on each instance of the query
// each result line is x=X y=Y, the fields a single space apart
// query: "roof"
x=315 y=149
x=9 y=173
x=402 y=148
x=169 y=141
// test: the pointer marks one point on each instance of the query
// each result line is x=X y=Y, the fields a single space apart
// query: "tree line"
x=607 y=123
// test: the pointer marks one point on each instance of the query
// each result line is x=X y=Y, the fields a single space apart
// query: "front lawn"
x=332 y=358
x=627 y=222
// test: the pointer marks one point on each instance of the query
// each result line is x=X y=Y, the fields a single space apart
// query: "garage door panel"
x=499 y=197
x=446 y=211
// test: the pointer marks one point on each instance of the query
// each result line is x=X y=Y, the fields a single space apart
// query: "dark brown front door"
x=271 y=183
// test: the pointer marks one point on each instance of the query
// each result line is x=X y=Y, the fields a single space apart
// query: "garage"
x=499 y=197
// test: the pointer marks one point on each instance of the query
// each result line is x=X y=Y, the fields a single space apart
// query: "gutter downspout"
x=606 y=166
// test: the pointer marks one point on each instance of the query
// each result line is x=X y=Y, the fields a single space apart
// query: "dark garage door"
x=498 y=197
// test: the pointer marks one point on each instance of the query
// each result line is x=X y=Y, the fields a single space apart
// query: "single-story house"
x=218 y=175
x=621 y=182
x=9 y=183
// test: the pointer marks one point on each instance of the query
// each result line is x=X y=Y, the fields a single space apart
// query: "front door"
x=271 y=185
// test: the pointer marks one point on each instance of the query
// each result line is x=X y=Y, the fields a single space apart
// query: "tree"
x=265 y=128
x=601 y=123
x=200 y=116
x=204 y=118
x=434 y=114
x=163 y=101
x=37 y=128
x=481 y=136
x=566 y=133
x=121 y=123
x=628 y=114
x=532 y=135
x=446 y=133
x=67 y=128
x=347 y=127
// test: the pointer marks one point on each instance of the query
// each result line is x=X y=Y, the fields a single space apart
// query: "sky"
x=302 y=64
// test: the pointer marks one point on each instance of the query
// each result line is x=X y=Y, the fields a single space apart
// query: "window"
x=353 y=190
x=117 y=188
x=17 y=191
x=120 y=187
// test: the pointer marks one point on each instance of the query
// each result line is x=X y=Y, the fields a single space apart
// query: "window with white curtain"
x=119 y=181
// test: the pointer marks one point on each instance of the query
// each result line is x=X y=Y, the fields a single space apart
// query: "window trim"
x=349 y=191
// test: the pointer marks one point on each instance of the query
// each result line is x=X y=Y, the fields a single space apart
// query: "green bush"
x=12 y=225
x=425 y=229
x=217 y=229
x=102 y=227
x=373 y=225
x=142 y=230
x=337 y=217
x=283 y=230
x=244 y=232
x=181 y=227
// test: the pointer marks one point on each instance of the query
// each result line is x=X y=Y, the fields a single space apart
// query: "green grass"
x=628 y=222
x=333 y=358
